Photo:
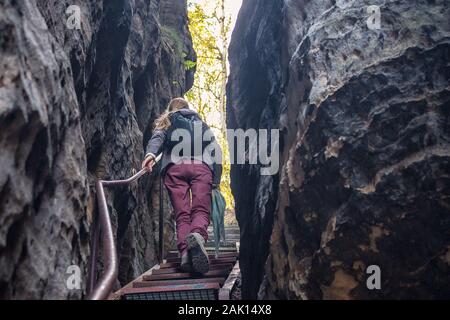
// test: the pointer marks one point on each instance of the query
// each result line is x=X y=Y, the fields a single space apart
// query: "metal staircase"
x=163 y=281
x=166 y=282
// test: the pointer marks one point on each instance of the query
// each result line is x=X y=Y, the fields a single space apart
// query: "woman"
x=189 y=180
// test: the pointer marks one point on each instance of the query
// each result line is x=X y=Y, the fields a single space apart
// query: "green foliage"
x=173 y=38
x=188 y=64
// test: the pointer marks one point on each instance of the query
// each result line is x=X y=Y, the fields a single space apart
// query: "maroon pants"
x=190 y=186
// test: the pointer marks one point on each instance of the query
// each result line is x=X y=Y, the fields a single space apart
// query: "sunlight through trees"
x=211 y=23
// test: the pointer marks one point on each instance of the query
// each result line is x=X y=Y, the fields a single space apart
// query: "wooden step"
x=230 y=238
x=209 y=245
x=173 y=254
x=222 y=255
x=227 y=229
x=228 y=267
x=211 y=248
x=157 y=283
x=228 y=251
x=169 y=265
x=180 y=287
x=164 y=282
x=211 y=258
x=173 y=276
x=227 y=235
x=212 y=263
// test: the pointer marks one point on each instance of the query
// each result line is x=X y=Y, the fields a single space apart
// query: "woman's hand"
x=148 y=163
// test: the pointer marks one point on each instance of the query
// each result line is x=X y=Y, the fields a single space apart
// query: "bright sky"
x=233 y=6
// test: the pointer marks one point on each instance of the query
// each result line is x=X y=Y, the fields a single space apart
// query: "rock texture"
x=254 y=98
x=76 y=105
x=365 y=177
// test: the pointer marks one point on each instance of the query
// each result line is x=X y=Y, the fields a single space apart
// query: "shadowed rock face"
x=76 y=105
x=254 y=101
x=365 y=148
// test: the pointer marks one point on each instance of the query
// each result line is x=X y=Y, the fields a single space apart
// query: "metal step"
x=198 y=291
x=165 y=282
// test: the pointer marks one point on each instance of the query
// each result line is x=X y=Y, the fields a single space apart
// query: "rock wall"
x=364 y=116
x=254 y=98
x=76 y=105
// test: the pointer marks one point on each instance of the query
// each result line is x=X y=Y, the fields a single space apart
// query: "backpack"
x=188 y=123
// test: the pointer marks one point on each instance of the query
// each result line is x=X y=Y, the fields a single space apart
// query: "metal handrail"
x=103 y=288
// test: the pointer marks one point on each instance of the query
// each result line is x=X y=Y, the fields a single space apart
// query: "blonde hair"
x=177 y=104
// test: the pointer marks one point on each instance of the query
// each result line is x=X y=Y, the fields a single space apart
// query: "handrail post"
x=104 y=287
x=161 y=221
x=94 y=255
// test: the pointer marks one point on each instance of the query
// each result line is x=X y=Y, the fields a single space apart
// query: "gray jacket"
x=156 y=146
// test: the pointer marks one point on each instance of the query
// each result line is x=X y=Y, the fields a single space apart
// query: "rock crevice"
x=77 y=105
x=365 y=130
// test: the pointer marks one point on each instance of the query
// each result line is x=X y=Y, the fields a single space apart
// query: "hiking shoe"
x=197 y=252
x=185 y=265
